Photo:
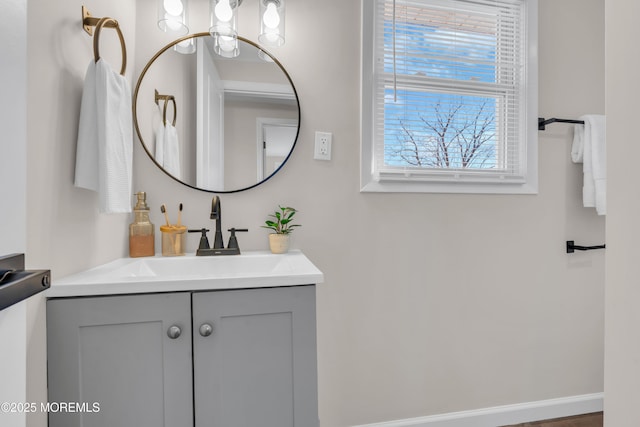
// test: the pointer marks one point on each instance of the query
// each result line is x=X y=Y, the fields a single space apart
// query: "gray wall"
x=622 y=290
x=432 y=303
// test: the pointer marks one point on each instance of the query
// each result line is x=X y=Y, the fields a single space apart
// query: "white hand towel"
x=598 y=128
x=87 y=147
x=577 y=149
x=594 y=159
x=115 y=139
x=588 y=186
x=159 y=152
x=172 y=151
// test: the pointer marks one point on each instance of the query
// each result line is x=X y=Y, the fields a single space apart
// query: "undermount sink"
x=189 y=272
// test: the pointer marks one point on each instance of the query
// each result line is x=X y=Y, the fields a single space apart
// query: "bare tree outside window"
x=451 y=135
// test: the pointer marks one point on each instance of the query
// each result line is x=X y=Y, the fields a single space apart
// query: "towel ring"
x=175 y=110
x=166 y=99
x=96 y=41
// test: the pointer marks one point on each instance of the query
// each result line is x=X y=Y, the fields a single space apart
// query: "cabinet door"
x=258 y=366
x=115 y=352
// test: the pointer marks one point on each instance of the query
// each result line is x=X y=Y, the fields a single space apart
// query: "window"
x=449 y=96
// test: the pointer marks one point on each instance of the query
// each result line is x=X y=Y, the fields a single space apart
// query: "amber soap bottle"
x=141 y=234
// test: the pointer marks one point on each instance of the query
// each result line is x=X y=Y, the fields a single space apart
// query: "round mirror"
x=213 y=123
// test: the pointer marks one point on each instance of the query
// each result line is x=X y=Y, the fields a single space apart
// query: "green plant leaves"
x=283 y=218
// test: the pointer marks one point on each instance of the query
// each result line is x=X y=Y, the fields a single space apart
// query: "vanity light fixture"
x=172 y=16
x=271 y=23
x=224 y=27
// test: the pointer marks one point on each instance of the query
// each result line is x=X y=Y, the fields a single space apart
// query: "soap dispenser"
x=141 y=234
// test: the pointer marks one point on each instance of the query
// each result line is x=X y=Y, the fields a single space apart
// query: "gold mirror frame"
x=151 y=156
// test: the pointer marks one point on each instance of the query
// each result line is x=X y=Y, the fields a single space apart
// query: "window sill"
x=371 y=186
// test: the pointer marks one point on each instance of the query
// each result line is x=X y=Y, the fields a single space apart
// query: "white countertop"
x=251 y=269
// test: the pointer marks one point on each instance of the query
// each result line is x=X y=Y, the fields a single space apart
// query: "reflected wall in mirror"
x=217 y=124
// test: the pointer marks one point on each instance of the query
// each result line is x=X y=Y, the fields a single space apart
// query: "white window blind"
x=450 y=85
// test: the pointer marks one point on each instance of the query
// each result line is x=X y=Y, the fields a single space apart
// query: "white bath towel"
x=86 y=175
x=590 y=148
x=115 y=138
x=172 y=151
x=106 y=128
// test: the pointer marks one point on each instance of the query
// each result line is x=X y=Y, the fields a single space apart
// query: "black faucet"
x=218 y=245
x=216 y=213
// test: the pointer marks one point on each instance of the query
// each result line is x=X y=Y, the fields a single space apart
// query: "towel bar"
x=572 y=247
x=542 y=122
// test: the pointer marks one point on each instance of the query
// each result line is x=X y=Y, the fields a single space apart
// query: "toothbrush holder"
x=174 y=239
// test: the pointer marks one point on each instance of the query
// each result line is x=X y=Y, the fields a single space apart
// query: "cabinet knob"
x=206 y=329
x=174 y=332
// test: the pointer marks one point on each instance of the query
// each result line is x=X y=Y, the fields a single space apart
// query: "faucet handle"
x=204 y=241
x=233 y=242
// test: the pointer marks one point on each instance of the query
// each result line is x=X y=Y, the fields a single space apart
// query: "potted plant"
x=280 y=223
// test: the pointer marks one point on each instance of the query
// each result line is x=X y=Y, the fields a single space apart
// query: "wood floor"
x=588 y=420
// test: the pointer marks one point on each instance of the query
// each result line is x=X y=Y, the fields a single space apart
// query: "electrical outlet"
x=322 y=150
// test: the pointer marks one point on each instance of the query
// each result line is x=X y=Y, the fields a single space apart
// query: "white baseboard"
x=508 y=414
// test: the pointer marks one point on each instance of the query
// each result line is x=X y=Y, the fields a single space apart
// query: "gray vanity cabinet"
x=115 y=352
x=253 y=361
x=258 y=366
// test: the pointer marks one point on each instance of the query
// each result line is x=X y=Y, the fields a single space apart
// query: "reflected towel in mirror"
x=159 y=151
x=172 y=151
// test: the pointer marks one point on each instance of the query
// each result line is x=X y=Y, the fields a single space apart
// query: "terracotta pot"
x=279 y=243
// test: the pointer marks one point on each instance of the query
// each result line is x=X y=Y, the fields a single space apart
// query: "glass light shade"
x=186 y=46
x=226 y=46
x=172 y=16
x=271 y=22
x=224 y=27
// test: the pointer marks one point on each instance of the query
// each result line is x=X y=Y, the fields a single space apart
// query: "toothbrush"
x=172 y=237
x=178 y=242
x=163 y=209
